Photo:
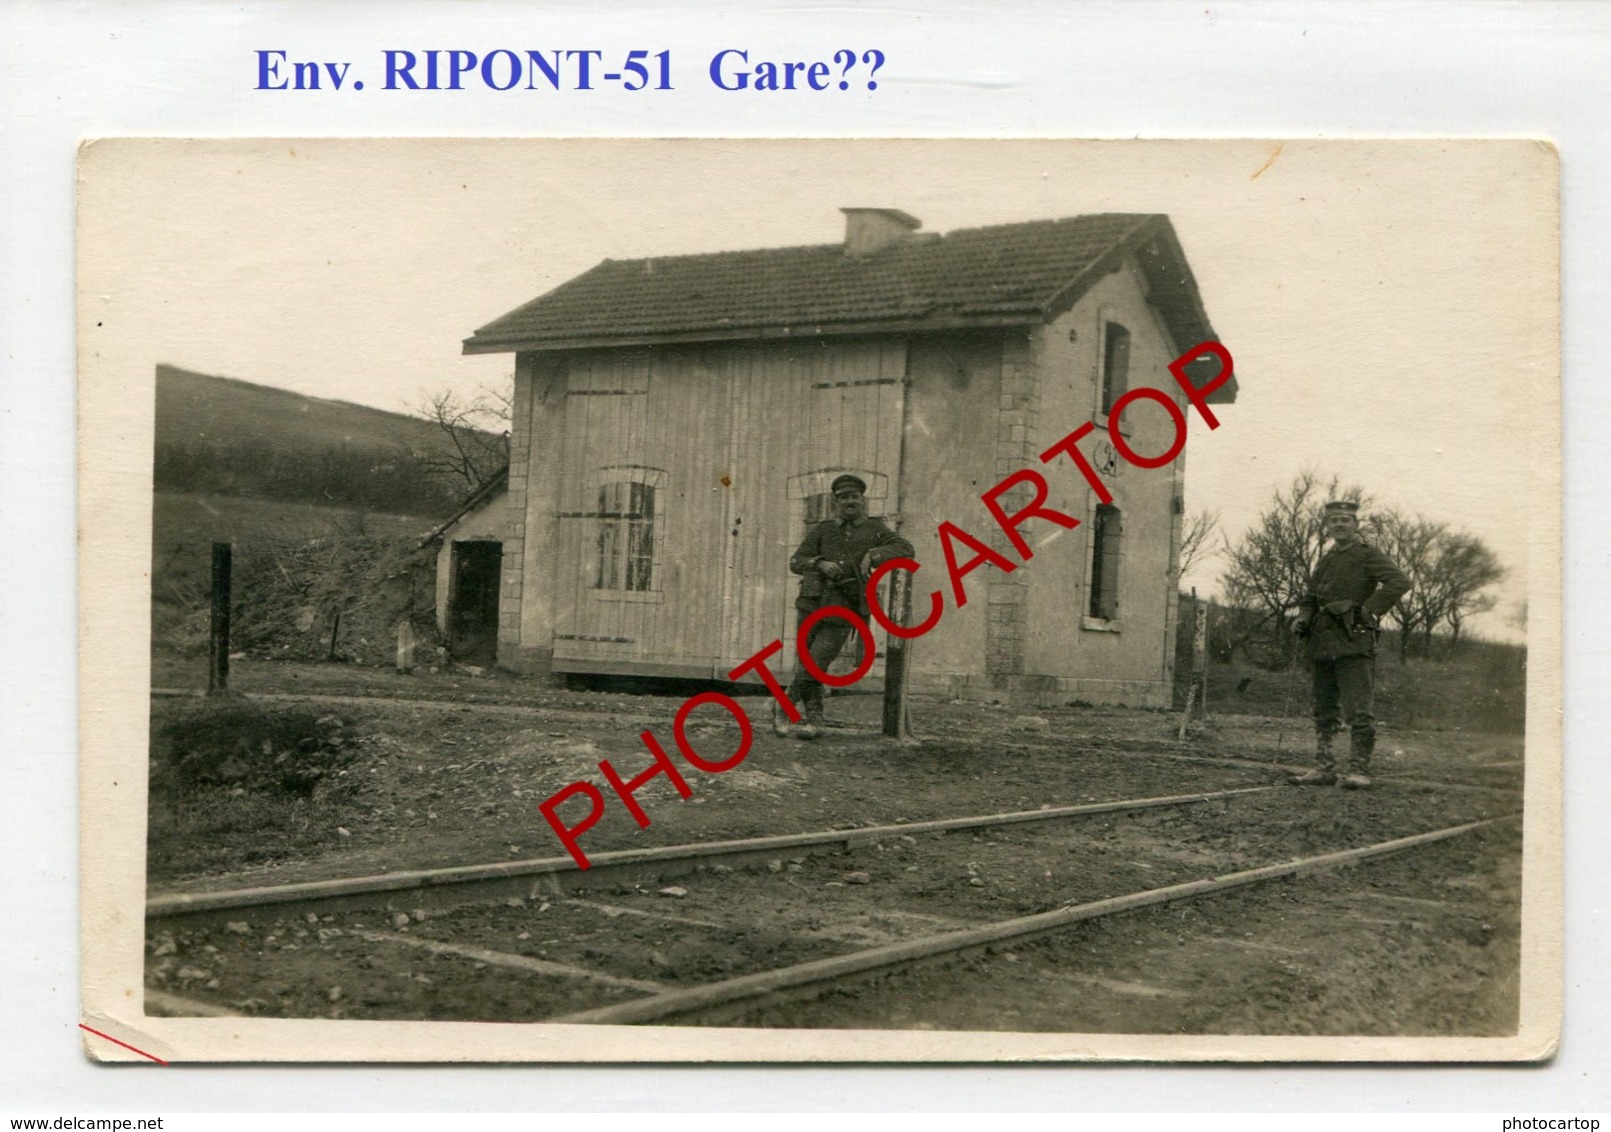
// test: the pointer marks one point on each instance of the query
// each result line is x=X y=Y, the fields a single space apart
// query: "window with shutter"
x=626 y=535
x=1106 y=532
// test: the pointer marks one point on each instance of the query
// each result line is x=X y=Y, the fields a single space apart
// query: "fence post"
x=406 y=644
x=1197 y=685
x=218 y=635
x=897 y=654
x=1199 y=650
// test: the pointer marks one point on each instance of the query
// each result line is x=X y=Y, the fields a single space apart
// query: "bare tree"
x=1412 y=542
x=1464 y=571
x=1195 y=532
x=1231 y=628
x=475 y=432
x=1450 y=573
x=1270 y=565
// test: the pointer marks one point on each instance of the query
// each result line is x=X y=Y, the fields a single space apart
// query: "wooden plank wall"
x=730 y=429
x=853 y=413
x=607 y=424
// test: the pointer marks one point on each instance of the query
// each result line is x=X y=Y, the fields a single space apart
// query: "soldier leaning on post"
x=1353 y=586
x=833 y=561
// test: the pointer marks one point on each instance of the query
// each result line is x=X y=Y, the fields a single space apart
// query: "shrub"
x=336 y=597
x=286 y=751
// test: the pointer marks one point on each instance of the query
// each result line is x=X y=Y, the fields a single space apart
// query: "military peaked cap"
x=1343 y=507
x=849 y=481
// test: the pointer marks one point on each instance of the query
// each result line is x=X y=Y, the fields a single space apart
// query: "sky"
x=1391 y=306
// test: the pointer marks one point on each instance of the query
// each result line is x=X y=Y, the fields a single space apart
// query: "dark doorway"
x=473 y=602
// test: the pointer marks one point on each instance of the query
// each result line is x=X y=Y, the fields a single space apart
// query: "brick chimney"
x=868 y=230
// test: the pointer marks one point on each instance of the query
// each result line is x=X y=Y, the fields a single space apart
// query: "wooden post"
x=1197 y=685
x=406 y=644
x=1199 y=651
x=897 y=657
x=218 y=637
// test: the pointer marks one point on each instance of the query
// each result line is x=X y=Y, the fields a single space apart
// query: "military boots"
x=1325 y=771
x=1360 y=746
x=810 y=727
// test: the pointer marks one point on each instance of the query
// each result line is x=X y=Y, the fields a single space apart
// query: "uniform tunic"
x=1341 y=645
x=845 y=542
x=1356 y=573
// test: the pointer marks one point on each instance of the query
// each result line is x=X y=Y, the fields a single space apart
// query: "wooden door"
x=609 y=502
x=685 y=477
x=477 y=567
x=802 y=415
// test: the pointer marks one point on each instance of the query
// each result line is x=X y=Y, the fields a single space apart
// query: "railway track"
x=473 y=930
x=665 y=1005
x=438 y=889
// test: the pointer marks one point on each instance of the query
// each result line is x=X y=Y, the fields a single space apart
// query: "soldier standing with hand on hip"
x=1353 y=585
x=834 y=561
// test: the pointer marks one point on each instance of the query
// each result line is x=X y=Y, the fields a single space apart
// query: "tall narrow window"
x=1115 y=364
x=626 y=536
x=1106 y=530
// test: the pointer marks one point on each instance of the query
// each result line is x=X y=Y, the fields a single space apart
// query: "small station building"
x=678 y=421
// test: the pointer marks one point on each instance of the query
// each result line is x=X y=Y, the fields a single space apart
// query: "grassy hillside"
x=183 y=522
x=198 y=408
x=1476 y=685
x=324 y=503
x=218 y=436
x=308 y=580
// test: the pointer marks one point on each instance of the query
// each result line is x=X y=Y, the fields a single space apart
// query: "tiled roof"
x=976 y=276
x=495 y=483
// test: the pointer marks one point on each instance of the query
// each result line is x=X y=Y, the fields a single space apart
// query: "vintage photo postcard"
x=879 y=600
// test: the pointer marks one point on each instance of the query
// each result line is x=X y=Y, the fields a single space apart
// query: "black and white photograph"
x=821 y=600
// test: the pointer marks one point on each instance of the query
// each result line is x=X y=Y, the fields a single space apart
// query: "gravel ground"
x=1423 y=943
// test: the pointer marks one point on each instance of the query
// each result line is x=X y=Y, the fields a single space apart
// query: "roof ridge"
x=1023 y=270
x=925 y=239
x=716 y=254
x=1053 y=221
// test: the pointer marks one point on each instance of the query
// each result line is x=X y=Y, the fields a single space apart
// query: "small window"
x=1106 y=530
x=626 y=536
x=1115 y=364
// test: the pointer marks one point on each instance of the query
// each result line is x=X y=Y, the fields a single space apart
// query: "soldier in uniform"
x=834 y=561
x=1352 y=587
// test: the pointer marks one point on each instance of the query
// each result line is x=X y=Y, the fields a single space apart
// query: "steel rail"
x=1141 y=749
x=509 y=961
x=535 y=877
x=729 y=991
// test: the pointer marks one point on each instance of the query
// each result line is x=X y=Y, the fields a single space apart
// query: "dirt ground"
x=1423 y=943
